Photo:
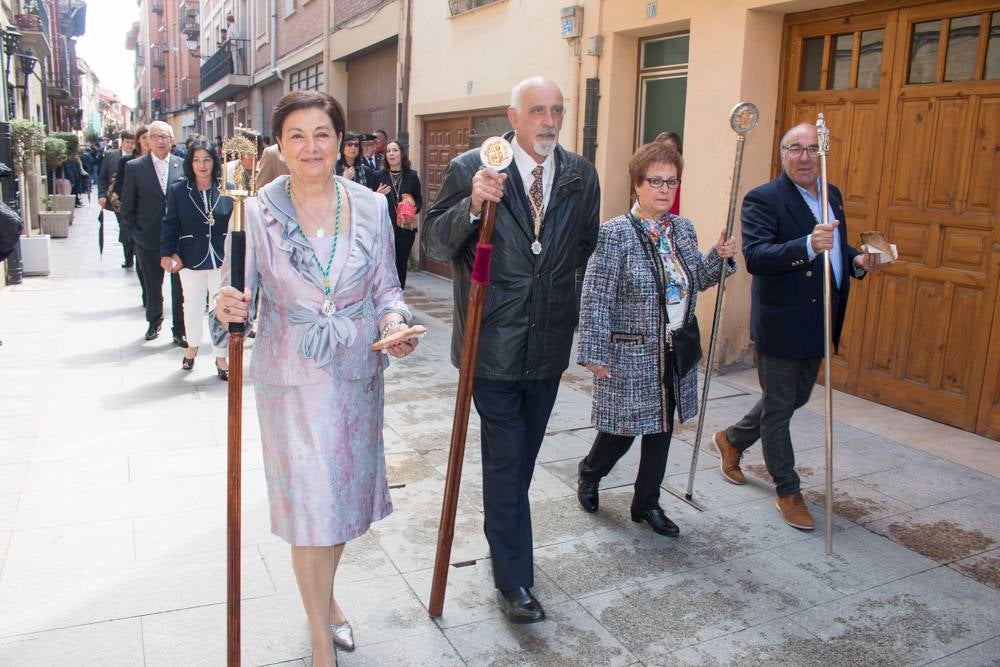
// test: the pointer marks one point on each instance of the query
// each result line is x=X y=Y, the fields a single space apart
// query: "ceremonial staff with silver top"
x=743 y=119
x=823 y=135
x=797 y=309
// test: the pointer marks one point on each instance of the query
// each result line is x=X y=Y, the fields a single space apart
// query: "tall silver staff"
x=823 y=134
x=742 y=119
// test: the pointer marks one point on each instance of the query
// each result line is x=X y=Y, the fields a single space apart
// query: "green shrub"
x=27 y=141
x=55 y=151
x=72 y=142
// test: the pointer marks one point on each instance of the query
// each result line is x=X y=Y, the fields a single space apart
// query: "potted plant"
x=53 y=223
x=27 y=143
x=56 y=154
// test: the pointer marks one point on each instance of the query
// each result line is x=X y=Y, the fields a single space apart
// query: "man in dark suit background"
x=109 y=166
x=783 y=239
x=143 y=205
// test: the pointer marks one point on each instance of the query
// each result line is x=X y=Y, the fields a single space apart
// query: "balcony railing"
x=221 y=65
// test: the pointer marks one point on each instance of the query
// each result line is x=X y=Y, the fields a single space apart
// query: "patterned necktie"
x=536 y=193
x=161 y=173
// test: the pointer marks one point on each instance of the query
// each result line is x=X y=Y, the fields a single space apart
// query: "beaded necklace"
x=328 y=307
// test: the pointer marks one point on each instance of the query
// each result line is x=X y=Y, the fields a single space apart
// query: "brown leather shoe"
x=794 y=511
x=729 y=459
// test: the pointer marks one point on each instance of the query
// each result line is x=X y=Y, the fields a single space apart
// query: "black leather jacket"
x=530 y=310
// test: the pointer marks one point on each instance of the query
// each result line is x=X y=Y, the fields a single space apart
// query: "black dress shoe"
x=520 y=606
x=180 y=340
x=154 y=330
x=586 y=493
x=127 y=265
x=658 y=521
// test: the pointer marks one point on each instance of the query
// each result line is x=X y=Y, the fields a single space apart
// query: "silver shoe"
x=343 y=635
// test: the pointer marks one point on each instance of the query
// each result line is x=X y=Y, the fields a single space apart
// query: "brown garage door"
x=913 y=100
x=371 y=91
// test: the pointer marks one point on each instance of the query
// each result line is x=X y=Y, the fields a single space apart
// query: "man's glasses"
x=161 y=137
x=656 y=182
x=796 y=150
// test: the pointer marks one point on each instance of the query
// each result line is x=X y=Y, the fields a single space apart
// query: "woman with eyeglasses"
x=638 y=332
x=351 y=166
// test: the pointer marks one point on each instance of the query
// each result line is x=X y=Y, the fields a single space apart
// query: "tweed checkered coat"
x=622 y=327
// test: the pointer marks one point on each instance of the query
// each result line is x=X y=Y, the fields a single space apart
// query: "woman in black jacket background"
x=351 y=166
x=192 y=242
x=399 y=183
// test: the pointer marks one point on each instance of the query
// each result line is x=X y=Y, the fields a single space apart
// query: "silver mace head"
x=823 y=135
x=743 y=118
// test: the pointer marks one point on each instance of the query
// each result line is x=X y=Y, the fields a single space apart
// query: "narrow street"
x=112 y=518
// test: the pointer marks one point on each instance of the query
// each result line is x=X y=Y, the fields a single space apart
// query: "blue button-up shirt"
x=836 y=259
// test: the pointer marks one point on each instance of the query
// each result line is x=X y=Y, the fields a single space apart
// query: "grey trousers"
x=785 y=387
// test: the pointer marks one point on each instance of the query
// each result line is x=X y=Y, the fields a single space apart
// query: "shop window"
x=812 y=64
x=993 y=49
x=665 y=52
x=963 y=40
x=924 y=51
x=663 y=72
x=840 y=61
x=870 y=58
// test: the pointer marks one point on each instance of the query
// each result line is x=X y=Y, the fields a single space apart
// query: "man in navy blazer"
x=144 y=202
x=783 y=242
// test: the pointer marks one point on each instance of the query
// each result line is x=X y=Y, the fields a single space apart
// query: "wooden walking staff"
x=823 y=135
x=743 y=119
x=239 y=189
x=496 y=154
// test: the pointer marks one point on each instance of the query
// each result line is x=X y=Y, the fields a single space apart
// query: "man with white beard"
x=546 y=228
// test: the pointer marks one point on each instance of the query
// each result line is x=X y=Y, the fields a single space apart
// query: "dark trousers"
x=514 y=415
x=152 y=281
x=608 y=448
x=785 y=387
x=404 y=243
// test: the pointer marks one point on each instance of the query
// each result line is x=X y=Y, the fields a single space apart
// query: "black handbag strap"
x=647 y=245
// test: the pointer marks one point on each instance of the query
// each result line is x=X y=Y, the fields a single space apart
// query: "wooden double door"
x=912 y=98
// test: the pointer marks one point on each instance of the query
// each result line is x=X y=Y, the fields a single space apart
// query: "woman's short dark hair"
x=307 y=99
x=350 y=136
x=655 y=152
x=404 y=158
x=670 y=136
x=201 y=144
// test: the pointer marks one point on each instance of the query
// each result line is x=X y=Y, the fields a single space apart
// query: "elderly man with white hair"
x=546 y=228
x=144 y=201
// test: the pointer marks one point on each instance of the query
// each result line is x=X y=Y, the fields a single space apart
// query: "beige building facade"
x=907 y=87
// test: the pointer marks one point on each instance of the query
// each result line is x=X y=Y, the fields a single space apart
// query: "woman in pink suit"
x=320 y=251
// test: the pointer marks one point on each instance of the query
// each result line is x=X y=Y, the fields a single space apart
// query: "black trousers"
x=514 y=415
x=404 y=244
x=608 y=448
x=152 y=281
x=786 y=385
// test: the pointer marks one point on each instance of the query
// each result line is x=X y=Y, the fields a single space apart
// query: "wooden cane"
x=238 y=146
x=823 y=136
x=496 y=155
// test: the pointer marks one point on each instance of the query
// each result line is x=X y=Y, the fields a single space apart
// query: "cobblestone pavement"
x=112 y=521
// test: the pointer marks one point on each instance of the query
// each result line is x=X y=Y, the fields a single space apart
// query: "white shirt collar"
x=165 y=161
x=525 y=163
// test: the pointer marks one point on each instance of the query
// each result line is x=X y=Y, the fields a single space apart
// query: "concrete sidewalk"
x=112 y=519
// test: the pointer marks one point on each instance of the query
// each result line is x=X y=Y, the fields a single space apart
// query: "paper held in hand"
x=874 y=243
x=416 y=331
